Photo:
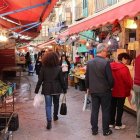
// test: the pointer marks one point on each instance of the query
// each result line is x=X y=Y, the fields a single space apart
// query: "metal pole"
x=30 y=28
x=17 y=27
x=24 y=9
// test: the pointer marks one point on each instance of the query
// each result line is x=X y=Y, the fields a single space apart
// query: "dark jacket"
x=51 y=80
x=99 y=77
x=122 y=80
x=137 y=71
x=38 y=67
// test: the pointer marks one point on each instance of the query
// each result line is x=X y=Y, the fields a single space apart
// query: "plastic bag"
x=87 y=102
x=133 y=100
x=38 y=100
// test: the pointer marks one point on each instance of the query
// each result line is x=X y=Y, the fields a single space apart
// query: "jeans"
x=48 y=106
x=65 y=76
x=117 y=104
x=137 y=101
x=103 y=99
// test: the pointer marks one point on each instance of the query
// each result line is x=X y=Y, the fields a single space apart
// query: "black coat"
x=51 y=80
x=38 y=67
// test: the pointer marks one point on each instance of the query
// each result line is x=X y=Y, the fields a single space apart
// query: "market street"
x=75 y=125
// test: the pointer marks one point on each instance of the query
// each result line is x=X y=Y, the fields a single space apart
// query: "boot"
x=49 y=125
x=55 y=118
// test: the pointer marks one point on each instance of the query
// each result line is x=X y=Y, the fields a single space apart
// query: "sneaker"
x=94 y=132
x=111 y=126
x=137 y=136
x=109 y=132
x=120 y=127
x=49 y=125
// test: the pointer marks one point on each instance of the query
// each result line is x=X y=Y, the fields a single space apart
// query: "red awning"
x=129 y=9
x=27 y=16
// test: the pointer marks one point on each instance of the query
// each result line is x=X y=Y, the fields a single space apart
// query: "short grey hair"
x=101 y=47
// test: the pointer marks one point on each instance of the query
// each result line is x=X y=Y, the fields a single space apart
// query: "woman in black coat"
x=65 y=64
x=38 y=65
x=51 y=79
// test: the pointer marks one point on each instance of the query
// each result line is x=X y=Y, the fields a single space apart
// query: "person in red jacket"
x=122 y=87
x=136 y=88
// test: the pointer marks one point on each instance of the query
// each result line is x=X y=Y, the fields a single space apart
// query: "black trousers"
x=116 y=113
x=103 y=100
x=65 y=75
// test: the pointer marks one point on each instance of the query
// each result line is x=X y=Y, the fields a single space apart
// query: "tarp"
x=29 y=15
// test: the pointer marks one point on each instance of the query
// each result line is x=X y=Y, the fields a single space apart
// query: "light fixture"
x=3 y=38
x=117 y=38
x=133 y=25
x=109 y=42
x=87 y=44
x=97 y=38
x=50 y=47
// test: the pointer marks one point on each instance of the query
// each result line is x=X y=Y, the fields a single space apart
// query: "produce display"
x=3 y=88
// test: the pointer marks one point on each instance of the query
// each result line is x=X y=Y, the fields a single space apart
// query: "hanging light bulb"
x=109 y=42
x=87 y=44
x=117 y=38
x=97 y=38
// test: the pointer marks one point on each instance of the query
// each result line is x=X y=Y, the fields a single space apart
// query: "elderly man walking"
x=99 y=82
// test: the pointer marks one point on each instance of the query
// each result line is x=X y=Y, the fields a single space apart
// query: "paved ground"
x=74 y=126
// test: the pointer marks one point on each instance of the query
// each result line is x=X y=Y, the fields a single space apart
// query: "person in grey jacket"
x=52 y=81
x=99 y=82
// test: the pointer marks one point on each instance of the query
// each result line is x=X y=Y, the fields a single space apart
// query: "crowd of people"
x=108 y=83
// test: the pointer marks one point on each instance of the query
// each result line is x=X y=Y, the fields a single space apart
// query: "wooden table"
x=12 y=69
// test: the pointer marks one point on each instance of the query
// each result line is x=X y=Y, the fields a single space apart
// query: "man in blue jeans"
x=99 y=82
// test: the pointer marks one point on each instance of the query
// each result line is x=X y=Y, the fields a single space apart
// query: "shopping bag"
x=38 y=100
x=63 y=107
x=87 y=102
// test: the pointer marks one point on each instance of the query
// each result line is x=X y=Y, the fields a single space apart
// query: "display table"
x=11 y=69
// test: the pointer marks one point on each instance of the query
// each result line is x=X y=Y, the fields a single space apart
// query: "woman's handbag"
x=63 y=107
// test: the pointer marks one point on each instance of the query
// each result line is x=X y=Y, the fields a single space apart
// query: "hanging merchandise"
x=116 y=27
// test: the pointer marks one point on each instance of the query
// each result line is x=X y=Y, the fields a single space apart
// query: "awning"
x=48 y=43
x=26 y=11
x=129 y=9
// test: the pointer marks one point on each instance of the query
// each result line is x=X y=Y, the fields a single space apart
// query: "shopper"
x=53 y=85
x=99 y=82
x=38 y=65
x=65 y=64
x=121 y=90
x=27 y=59
x=136 y=88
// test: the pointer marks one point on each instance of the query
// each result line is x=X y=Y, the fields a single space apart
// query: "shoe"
x=120 y=127
x=55 y=118
x=111 y=126
x=94 y=132
x=49 y=125
x=109 y=132
x=137 y=136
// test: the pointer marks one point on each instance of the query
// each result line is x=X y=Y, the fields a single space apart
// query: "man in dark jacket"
x=137 y=92
x=99 y=82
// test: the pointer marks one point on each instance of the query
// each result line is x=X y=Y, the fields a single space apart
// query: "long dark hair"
x=66 y=59
x=50 y=59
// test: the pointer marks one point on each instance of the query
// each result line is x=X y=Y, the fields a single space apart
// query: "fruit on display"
x=3 y=88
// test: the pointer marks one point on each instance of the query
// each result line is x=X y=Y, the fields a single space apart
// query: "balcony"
x=103 y=4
